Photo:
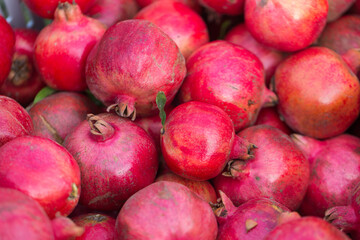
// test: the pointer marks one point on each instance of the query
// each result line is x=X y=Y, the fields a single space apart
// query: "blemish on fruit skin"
x=263 y=3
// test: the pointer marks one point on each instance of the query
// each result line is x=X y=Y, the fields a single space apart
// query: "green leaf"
x=160 y=102
x=93 y=98
x=43 y=93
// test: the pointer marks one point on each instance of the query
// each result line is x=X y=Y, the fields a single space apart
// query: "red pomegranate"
x=278 y=170
x=269 y=116
x=111 y=11
x=23 y=81
x=234 y=7
x=66 y=42
x=177 y=212
x=14 y=120
x=179 y=22
x=7 y=42
x=337 y=8
x=230 y=77
x=65 y=229
x=319 y=95
x=96 y=226
x=127 y=74
x=47 y=8
x=122 y=160
x=286 y=25
x=191 y=3
x=199 y=139
x=43 y=170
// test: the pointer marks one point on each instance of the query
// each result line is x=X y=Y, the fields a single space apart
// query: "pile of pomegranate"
x=181 y=120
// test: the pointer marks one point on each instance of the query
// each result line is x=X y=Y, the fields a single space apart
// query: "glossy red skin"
x=64 y=228
x=269 y=57
x=265 y=212
x=14 y=120
x=269 y=116
x=179 y=22
x=321 y=102
x=24 y=91
x=191 y=3
x=286 y=25
x=43 y=170
x=203 y=188
x=46 y=8
x=181 y=214
x=189 y=150
x=97 y=226
x=66 y=42
x=338 y=8
x=22 y=218
x=230 y=77
x=7 y=42
x=342 y=35
x=116 y=168
x=128 y=70
x=111 y=11
x=278 y=170
x=61 y=112
x=306 y=228
x=235 y=7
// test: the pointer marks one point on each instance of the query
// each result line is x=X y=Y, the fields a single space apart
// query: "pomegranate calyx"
x=100 y=129
x=342 y=217
x=235 y=168
x=68 y=12
x=20 y=70
x=74 y=192
x=123 y=110
x=242 y=149
x=250 y=224
x=269 y=98
x=219 y=208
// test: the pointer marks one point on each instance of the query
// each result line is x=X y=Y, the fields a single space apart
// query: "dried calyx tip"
x=99 y=127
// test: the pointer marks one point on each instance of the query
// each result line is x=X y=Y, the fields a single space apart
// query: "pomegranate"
x=122 y=160
x=203 y=188
x=199 y=139
x=319 y=95
x=7 y=42
x=337 y=8
x=234 y=7
x=57 y=115
x=306 y=228
x=278 y=170
x=356 y=7
x=251 y=220
x=230 y=77
x=66 y=42
x=97 y=226
x=23 y=82
x=191 y=3
x=64 y=228
x=14 y=120
x=131 y=89
x=269 y=57
x=111 y=11
x=21 y=217
x=269 y=116
x=178 y=212
x=43 y=170
x=47 y=8
x=179 y=22
x=286 y=25
x=334 y=168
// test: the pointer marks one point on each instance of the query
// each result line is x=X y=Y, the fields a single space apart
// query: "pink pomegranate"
x=122 y=160
x=234 y=7
x=191 y=3
x=43 y=170
x=286 y=25
x=337 y=8
x=230 y=77
x=47 y=8
x=269 y=57
x=269 y=116
x=7 y=42
x=111 y=11
x=251 y=220
x=131 y=89
x=278 y=170
x=14 y=120
x=203 y=188
x=334 y=168
x=57 y=115
x=319 y=95
x=342 y=35
x=177 y=212
x=199 y=139
x=66 y=42
x=306 y=228
x=23 y=81
x=21 y=217
x=356 y=7
x=179 y=22
x=96 y=226
x=64 y=228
